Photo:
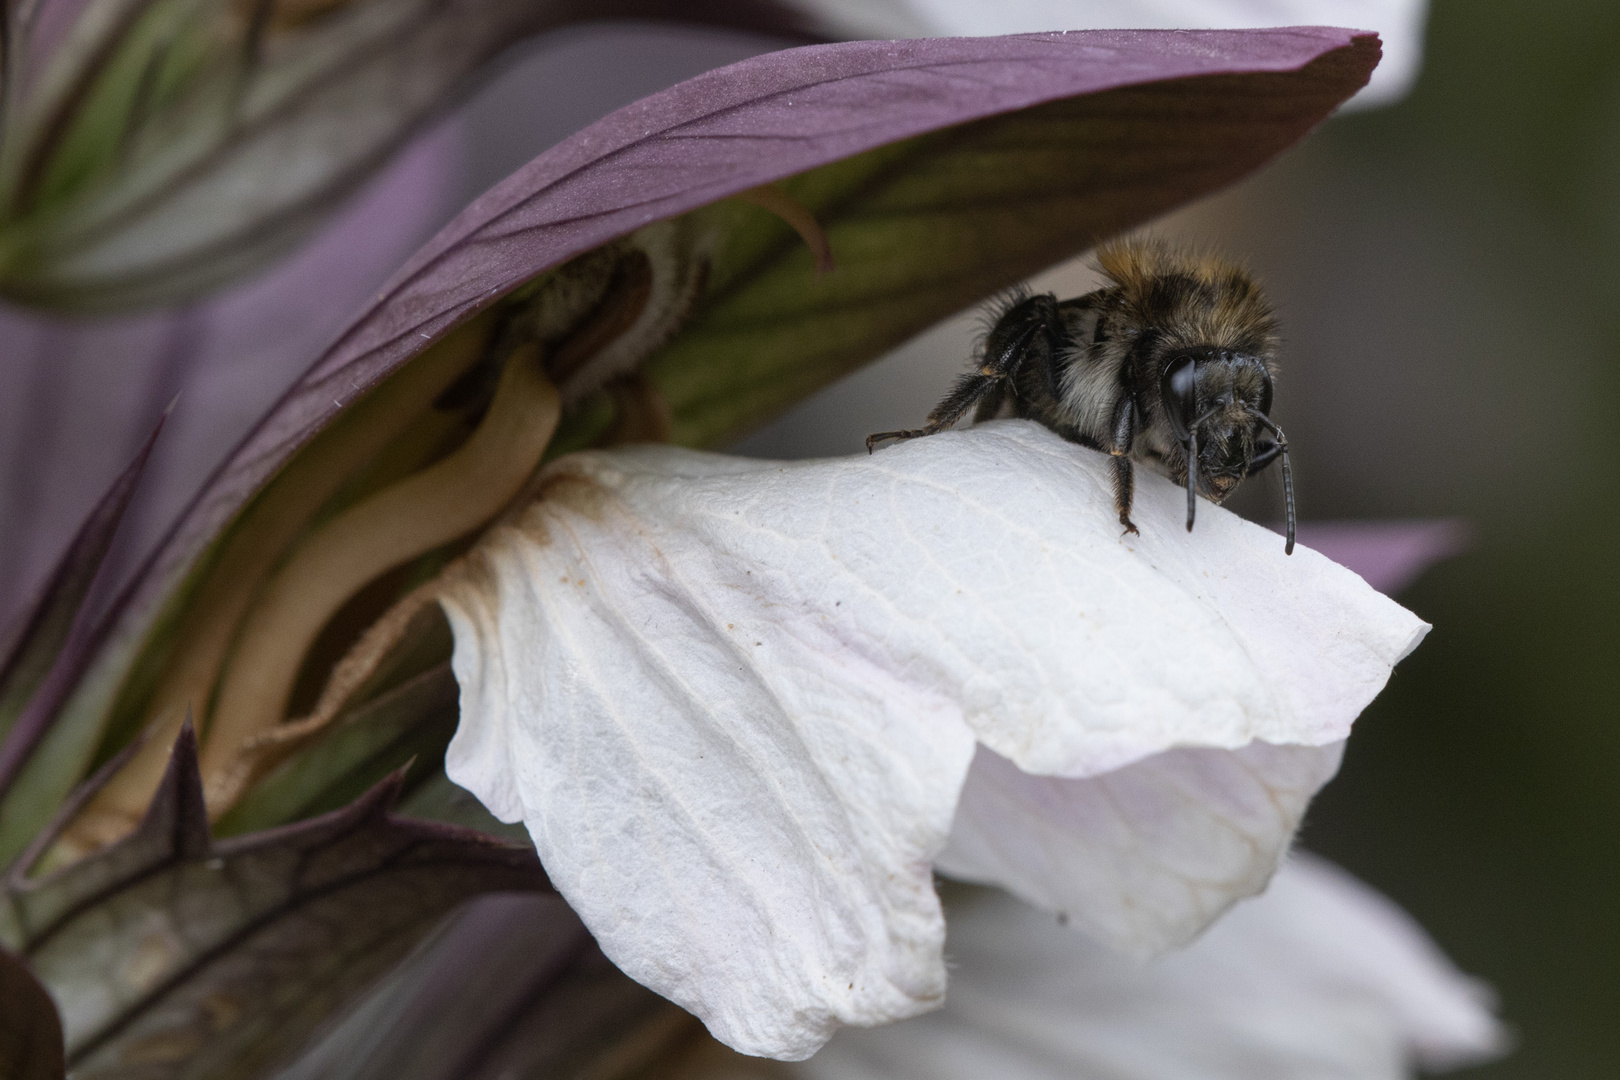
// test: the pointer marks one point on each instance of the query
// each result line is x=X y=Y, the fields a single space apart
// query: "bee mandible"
x=1169 y=365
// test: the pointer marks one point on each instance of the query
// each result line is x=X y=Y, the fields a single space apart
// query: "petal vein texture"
x=735 y=701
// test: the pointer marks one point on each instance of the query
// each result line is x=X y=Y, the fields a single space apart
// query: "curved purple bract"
x=763 y=119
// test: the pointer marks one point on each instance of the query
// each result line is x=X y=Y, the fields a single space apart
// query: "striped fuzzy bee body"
x=1169 y=365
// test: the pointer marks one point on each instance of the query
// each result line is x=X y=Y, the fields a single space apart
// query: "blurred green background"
x=1448 y=269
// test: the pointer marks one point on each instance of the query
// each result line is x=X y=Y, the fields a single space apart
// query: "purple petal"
x=762 y=120
x=1389 y=555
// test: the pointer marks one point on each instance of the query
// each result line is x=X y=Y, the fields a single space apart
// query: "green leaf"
x=175 y=956
x=30 y=1030
x=163 y=147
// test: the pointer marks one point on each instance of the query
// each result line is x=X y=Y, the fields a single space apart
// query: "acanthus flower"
x=736 y=704
x=750 y=828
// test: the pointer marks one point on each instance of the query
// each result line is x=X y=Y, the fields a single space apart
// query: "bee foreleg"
x=1123 y=431
x=969 y=390
x=1124 y=490
x=1028 y=333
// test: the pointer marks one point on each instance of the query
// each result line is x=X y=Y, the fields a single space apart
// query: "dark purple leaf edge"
x=61 y=601
x=750 y=123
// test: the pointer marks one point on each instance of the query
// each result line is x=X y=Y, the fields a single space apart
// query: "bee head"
x=1201 y=327
x=1215 y=394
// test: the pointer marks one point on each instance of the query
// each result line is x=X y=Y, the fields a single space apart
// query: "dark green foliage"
x=182 y=957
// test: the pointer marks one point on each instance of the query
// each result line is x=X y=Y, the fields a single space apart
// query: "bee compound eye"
x=1265 y=389
x=1178 y=391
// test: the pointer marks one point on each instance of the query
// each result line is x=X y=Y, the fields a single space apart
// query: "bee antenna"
x=1288 y=473
x=1192 y=475
x=1192 y=465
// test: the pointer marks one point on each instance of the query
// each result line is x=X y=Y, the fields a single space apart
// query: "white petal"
x=1320 y=977
x=1143 y=858
x=998 y=574
x=1400 y=23
x=741 y=832
x=734 y=701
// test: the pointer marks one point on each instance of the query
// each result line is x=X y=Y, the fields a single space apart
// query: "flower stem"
x=413 y=517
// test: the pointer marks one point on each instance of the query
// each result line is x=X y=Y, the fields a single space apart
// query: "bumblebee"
x=1169 y=365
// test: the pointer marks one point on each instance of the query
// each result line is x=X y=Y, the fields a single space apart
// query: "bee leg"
x=969 y=391
x=1030 y=333
x=884 y=436
x=990 y=407
x=1124 y=491
x=1042 y=338
x=1124 y=434
x=1036 y=329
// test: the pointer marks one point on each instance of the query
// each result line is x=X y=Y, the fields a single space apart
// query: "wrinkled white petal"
x=734 y=701
x=1400 y=23
x=1319 y=978
x=743 y=830
x=1145 y=857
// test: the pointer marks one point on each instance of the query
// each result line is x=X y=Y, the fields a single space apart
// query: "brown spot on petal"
x=568 y=489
